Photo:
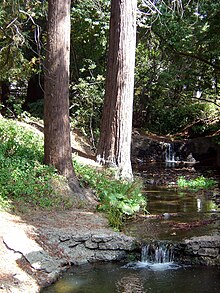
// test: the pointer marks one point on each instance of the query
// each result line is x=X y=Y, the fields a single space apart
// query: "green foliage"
x=175 y=81
x=204 y=127
x=117 y=198
x=24 y=180
x=115 y=218
x=37 y=108
x=195 y=184
x=90 y=25
x=89 y=29
x=86 y=103
x=177 y=57
x=216 y=139
x=20 y=39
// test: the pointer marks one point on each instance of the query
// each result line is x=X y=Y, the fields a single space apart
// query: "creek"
x=173 y=215
x=119 y=278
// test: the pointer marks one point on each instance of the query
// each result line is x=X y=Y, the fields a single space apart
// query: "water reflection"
x=130 y=283
x=199 y=205
x=175 y=215
x=117 y=278
x=161 y=200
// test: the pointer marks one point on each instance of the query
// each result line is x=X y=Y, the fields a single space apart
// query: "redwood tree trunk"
x=116 y=126
x=57 y=145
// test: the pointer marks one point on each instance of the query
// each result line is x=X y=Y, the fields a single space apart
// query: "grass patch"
x=196 y=184
x=24 y=179
x=117 y=198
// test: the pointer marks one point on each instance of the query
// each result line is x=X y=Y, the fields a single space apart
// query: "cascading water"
x=157 y=252
x=157 y=256
x=170 y=159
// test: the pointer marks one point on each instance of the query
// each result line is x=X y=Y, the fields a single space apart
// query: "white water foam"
x=157 y=266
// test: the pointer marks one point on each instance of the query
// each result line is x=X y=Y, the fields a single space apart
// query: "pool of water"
x=137 y=278
x=171 y=200
x=176 y=215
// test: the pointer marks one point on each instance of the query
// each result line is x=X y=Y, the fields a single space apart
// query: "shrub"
x=117 y=198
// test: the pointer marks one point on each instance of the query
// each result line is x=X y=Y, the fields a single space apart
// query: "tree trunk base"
x=85 y=195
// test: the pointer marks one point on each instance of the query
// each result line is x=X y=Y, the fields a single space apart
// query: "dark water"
x=140 y=278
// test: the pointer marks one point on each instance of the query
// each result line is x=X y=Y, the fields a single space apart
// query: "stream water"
x=156 y=272
x=174 y=215
x=141 y=278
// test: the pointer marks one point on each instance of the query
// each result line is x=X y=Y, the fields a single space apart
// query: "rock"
x=101 y=237
x=91 y=246
x=166 y=216
x=81 y=237
x=210 y=252
x=39 y=259
x=153 y=149
x=203 y=250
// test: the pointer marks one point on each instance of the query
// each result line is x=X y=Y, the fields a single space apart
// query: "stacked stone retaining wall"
x=204 y=250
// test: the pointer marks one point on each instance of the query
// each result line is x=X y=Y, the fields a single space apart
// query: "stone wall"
x=204 y=250
x=153 y=149
x=92 y=247
x=147 y=149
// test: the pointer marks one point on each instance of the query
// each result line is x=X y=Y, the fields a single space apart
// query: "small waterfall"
x=156 y=256
x=170 y=159
x=157 y=253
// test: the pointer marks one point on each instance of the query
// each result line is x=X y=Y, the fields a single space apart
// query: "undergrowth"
x=26 y=182
x=196 y=184
x=118 y=199
x=24 y=179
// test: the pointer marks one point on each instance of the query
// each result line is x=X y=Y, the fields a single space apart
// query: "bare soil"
x=16 y=274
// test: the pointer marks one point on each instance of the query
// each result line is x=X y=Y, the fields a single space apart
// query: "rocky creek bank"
x=204 y=250
x=36 y=248
x=203 y=150
x=52 y=243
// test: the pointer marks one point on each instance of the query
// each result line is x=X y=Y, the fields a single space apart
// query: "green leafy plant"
x=195 y=184
x=24 y=179
x=118 y=199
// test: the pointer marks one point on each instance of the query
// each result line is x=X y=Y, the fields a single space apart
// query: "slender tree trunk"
x=116 y=127
x=57 y=145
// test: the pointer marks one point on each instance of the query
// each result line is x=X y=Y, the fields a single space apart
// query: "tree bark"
x=116 y=126
x=57 y=146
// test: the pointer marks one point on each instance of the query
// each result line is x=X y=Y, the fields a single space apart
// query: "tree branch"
x=194 y=56
x=187 y=54
x=206 y=100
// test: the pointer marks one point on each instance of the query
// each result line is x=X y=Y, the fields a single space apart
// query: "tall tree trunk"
x=57 y=146
x=116 y=127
